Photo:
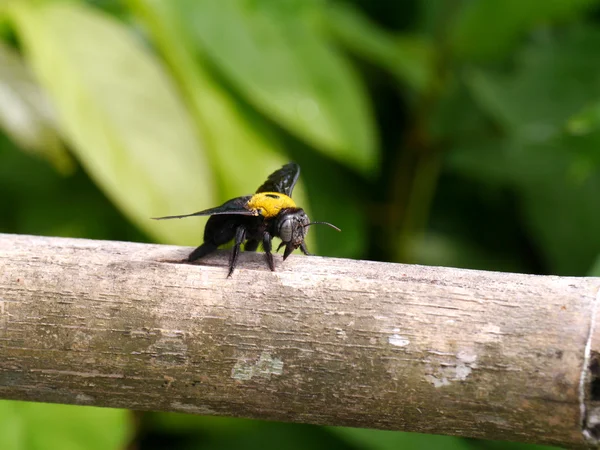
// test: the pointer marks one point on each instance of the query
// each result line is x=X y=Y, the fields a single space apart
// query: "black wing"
x=234 y=206
x=282 y=180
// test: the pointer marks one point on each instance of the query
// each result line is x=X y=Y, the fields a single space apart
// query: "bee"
x=255 y=219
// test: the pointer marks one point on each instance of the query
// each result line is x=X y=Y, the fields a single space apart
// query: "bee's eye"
x=285 y=230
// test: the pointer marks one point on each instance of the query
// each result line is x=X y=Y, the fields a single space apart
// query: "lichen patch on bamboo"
x=84 y=399
x=398 y=340
x=459 y=371
x=266 y=366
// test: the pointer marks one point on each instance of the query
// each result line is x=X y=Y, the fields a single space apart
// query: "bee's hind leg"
x=203 y=250
x=240 y=237
x=218 y=231
x=267 y=248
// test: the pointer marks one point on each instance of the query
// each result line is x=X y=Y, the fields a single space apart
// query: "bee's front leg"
x=305 y=250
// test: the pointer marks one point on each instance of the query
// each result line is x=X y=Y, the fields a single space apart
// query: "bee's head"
x=291 y=228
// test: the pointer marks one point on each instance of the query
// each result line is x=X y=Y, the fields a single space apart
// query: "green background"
x=460 y=133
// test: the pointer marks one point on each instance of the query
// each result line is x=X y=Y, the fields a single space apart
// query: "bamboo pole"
x=321 y=340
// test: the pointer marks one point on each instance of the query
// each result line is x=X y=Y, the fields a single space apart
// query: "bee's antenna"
x=323 y=223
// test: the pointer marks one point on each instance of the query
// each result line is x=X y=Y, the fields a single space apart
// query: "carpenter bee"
x=257 y=218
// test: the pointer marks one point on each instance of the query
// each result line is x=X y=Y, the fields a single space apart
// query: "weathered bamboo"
x=321 y=340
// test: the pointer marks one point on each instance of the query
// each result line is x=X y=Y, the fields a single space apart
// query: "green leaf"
x=552 y=81
x=585 y=121
x=557 y=183
x=561 y=201
x=550 y=170
x=452 y=250
x=122 y=114
x=243 y=149
x=276 y=60
x=393 y=440
x=33 y=426
x=26 y=113
x=3 y=6
x=409 y=59
x=490 y=29
x=225 y=433
x=242 y=152
x=485 y=160
x=215 y=426
x=503 y=445
x=595 y=269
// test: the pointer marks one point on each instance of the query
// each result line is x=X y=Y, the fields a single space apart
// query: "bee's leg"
x=218 y=231
x=203 y=250
x=267 y=248
x=240 y=237
x=304 y=249
x=251 y=245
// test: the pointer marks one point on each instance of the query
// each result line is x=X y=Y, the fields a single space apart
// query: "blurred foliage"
x=461 y=133
x=37 y=426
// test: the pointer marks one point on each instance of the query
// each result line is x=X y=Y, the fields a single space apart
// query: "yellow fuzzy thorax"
x=268 y=204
